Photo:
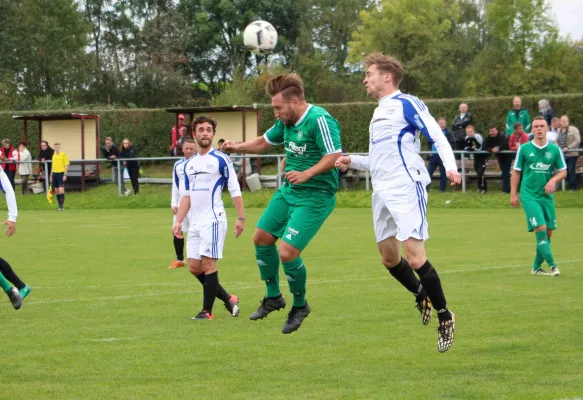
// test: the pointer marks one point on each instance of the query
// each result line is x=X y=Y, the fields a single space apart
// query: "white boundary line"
x=246 y=286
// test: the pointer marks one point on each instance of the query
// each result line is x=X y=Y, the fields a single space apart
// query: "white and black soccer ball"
x=260 y=37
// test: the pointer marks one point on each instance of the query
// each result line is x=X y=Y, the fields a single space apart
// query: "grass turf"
x=106 y=318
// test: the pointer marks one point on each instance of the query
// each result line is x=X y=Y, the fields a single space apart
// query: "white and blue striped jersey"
x=394 y=145
x=8 y=191
x=204 y=179
x=177 y=181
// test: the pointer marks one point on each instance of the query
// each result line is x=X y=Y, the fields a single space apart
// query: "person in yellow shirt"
x=59 y=175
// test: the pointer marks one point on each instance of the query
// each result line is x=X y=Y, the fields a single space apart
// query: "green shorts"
x=295 y=216
x=540 y=213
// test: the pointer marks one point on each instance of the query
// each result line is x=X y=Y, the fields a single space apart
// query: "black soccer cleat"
x=424 y=307
x=14 y=297
x=268 y=304
x=295 y=318
x=445 y=334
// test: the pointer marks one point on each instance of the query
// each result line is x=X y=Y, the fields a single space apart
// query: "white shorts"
x=400 y=213
x=206 y=240
x=185 y=223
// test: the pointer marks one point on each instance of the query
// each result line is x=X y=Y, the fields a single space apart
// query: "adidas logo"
x=261 y=263
x=531 y=155
x=289 y=278
x=288 y=236
x=542 y=242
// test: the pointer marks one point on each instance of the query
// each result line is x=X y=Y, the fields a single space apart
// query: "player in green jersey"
x=535 y=162
x=298 y=209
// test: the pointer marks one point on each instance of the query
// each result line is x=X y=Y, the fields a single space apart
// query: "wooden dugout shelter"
x=79 y=138
x=233 y=123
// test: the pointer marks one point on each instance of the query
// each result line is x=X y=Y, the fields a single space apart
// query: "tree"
x=417 y=32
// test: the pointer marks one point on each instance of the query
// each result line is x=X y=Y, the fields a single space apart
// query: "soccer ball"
x=260 y=37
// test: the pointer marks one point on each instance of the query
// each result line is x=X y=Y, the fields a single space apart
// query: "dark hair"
x=492 y=126
x=130 y=145
x=221 y=141
x=202 y=119
x=45 y=142
x=22 y=144
x=289 y=85
x=516 y=125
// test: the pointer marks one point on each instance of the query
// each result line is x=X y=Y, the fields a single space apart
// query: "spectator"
x=9 y=154
x=183 y=134
x=517 y=114
x=111 y=152
x=458 y=128
x=568 y=140
x=238 y=166
x=127 y=150
x=45 y=154
x=25 y=167
x=174 y=135
x=518 y=137
x=545 y=111
x=554 y=130
x=435 y=161
x=473 y=142
x=496 y=143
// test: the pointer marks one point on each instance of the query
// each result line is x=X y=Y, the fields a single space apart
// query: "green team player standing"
x=300 y=206
x=535 y=161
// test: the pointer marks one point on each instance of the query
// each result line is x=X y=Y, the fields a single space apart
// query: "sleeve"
x=8 y=191
x=468 y=118
x=232 y=183
x=512 y=143
x=560 y=163
x=526 y=122
x=417 y=115
x=360 y=163
x=577 y=141
x=66 y=159
x=274 y=135
x=185 y=189
x=519 y=160
x=175 y=187
x=509 y=127
x=480 y=141
x=327 y=132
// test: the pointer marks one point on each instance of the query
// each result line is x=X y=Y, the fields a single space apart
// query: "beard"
x=204 y=143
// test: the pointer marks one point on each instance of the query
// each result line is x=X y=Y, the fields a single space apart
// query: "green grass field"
x=107 y=319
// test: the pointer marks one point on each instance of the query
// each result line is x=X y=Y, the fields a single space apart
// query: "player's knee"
x=540 y=228
x=262 y=238
x=391 y=260
x=416 y=261
x=195 y=267
x=288 y=253
x=209 y=265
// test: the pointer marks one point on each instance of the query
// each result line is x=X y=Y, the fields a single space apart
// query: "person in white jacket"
x=399 y=179
x=7 y=275
x=25 y=167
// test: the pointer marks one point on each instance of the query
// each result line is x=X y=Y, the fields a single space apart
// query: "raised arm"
x=273 y=137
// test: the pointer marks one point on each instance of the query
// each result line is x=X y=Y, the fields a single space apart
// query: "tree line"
x=158 y=53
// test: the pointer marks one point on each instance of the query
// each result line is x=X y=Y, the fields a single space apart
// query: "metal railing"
x=463 y=156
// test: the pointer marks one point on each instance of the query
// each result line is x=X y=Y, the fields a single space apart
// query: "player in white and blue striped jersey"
x=205 y=176
x=399 y=179
x=188 y=148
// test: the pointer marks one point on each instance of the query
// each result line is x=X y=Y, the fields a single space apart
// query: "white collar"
x=388 y=97
x=299 y=121
x=539 y=147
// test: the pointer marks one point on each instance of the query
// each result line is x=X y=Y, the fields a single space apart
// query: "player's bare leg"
x=400 y=269
x=295 y=272
x=267 y=257
x=415 y=253
x=231 y=301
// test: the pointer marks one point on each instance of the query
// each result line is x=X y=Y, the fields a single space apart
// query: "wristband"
x=241 y=218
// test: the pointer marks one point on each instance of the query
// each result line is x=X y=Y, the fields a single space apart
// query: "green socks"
x=543 y=246
x=268 y=262
x=4 y=284
x=295 y=272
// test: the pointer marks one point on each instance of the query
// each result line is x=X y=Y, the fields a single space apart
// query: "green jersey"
x=313 y=136
x=537 y=165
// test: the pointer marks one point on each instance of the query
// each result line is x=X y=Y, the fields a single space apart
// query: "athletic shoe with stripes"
x=204 y=314
x=539 y=271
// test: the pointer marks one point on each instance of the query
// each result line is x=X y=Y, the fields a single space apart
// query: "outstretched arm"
x=255 y=146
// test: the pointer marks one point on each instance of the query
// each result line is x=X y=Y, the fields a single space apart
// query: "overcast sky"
x=569 y=15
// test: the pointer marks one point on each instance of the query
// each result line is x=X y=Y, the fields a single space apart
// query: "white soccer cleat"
x=555 y=271
x=539 y=271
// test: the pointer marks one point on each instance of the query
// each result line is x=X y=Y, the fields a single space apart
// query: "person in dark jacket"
x=128 y=151
x=474 y=142
x=458 y=128
x=45 y=154
x=545 y=111
x=111 y=152
x=496 y=143
x=434 y=160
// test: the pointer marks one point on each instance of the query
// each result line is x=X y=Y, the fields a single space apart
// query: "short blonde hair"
x=386 y=64
x=289 y=85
